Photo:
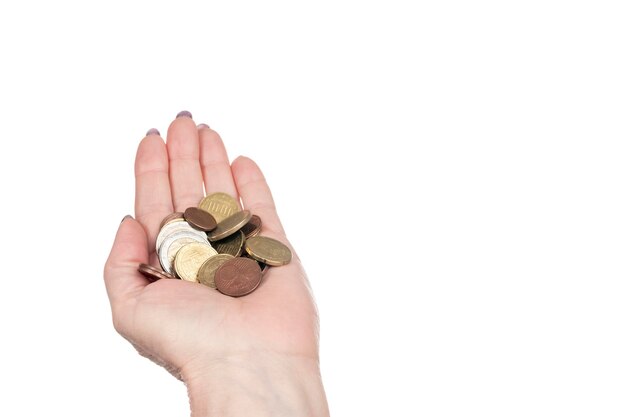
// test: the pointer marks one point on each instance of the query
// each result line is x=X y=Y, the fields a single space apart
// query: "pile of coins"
x=216 y=244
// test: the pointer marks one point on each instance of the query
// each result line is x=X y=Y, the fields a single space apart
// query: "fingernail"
x=184 y=113
x=203 y=126
x=128 y=216
x=153 y=131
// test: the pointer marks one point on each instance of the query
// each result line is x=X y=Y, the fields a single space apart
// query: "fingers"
x=130 y=249
x=215 y=164
x=153 y=200
x=185 y=174
x=255 y=193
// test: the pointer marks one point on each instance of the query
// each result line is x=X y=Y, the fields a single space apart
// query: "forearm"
x=264 y=385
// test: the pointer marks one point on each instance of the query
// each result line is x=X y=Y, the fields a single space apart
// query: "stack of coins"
x=216 y=244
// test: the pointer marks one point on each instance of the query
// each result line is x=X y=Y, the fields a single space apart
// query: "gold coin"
x=206 y=274
x=267 y=250
x=231 y=245
x=190 y=258
x=220 y=205
x=229 y=225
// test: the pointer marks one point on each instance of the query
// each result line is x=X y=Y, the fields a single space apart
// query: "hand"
x=254 y=355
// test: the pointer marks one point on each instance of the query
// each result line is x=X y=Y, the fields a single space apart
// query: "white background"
x=452 y=174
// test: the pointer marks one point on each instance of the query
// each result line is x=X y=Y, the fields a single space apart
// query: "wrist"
x=256 y=385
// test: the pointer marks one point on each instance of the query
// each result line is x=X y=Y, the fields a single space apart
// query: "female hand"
x=254 y=355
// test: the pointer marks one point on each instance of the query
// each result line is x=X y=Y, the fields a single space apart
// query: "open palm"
x=186 y=326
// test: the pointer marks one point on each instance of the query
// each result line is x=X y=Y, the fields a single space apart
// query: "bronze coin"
x=267 y=250
x=152 y=273
x=200 y=219
x=238 y=277
x=231 y=245
x=206 y=274
x=229 y=225
x=253 y=227
x=176 y=216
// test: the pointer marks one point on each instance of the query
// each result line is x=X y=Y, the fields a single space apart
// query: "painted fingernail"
x=153 y=131
x=128 y=216
x=184 y=113
x=203 y=126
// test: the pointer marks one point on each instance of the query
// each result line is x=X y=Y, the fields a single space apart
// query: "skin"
x=250 y=356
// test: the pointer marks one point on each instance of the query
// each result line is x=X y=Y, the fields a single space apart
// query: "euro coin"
x=206 y=274
x=231 y=245
x=172 y=244
x=229 y=225
x=220 y=205
x=190 y=258
x=152 y=273
x=253 y=227
x=200 y=219
x=267 y=250
x=238 y=277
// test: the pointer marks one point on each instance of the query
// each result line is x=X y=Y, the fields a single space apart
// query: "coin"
x=174 y=217
x=253 y=227
x=190 y=258
x=229 y=225
x=200 y=219
x=172 y=244
x=268 y=250
x=152 y=273
x=206 y=274
x=231 y=245
x=220 y=205
x=238 y=276
x=173 y=227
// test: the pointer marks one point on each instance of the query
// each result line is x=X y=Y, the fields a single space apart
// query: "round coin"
x=174 y=217
x=172 y=244
x=200 y=219
x=267 y=250
x=231 y=245
x=152 y=273
x=190 y=258
x=229 y=225
x=238 y=276
x=206 y=274
x=253 y=227
x=174 y=227
x=220 y=205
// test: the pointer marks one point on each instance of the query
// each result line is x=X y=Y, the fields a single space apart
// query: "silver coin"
x=175 y=227
x=172 y=244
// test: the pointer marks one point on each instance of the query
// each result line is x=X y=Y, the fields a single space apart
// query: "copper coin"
x=174 y=217
x=237 y=277
x=253 y=227
x=200 y=219
x=152 y=273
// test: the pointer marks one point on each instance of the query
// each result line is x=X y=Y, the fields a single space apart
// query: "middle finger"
x=185 y=173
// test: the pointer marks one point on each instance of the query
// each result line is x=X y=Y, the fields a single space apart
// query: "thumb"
x=130 y=248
